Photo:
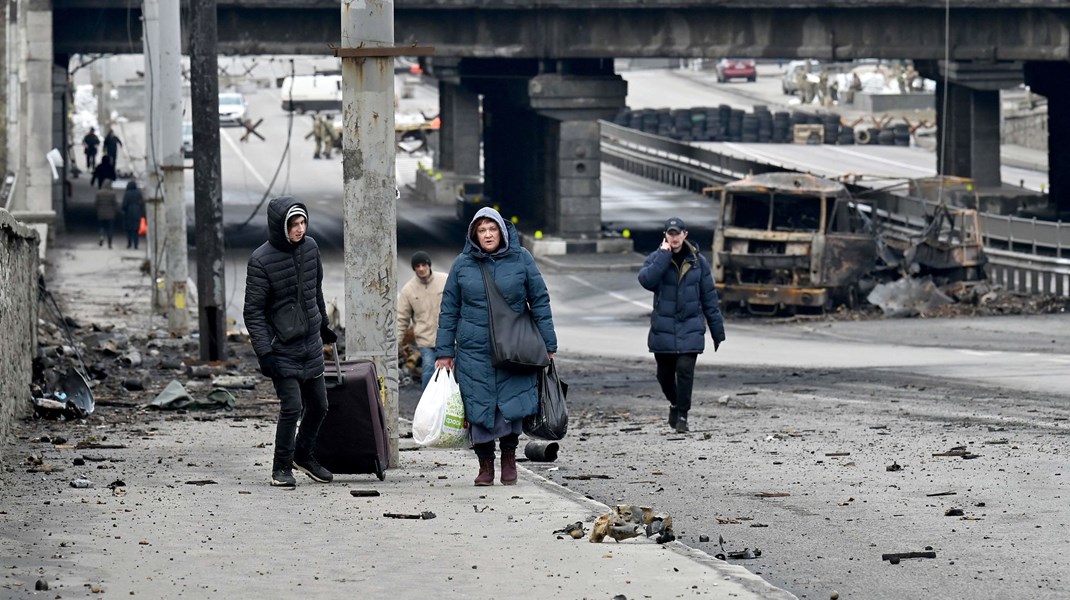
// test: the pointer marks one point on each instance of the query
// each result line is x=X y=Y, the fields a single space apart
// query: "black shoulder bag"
x=516 y=344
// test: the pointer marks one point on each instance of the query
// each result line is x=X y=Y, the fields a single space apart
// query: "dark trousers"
x=302 y=400
x=486 y=449
x=676 y=374
x=132 y=238
x=107 y=227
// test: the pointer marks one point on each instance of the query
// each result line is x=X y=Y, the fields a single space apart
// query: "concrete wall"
x=1024 y=127
x=18 y=319
x=5 y=69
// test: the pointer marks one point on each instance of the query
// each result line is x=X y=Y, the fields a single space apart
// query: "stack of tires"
x=831 y=123
x=782 y=128
x=726 y=124
x=902 y=134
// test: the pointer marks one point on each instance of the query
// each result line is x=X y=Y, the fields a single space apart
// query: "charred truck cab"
x=788 y=241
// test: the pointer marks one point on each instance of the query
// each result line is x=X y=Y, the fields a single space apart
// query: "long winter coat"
x=276 y=270
x=685 y=302
x=463 y=328
x=133 y=207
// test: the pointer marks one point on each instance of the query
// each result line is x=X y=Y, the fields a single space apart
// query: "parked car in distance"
x=736 y=68
x=790 y=82
x=187 y=139
x=232 y=108
x=312 y=93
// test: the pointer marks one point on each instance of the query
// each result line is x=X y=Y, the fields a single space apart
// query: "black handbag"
x=551 y=420
x=516 y=344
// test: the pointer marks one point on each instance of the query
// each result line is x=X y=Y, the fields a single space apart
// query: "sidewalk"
x=193 y=514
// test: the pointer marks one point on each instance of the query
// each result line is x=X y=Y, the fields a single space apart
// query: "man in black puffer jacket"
x=685 y=306
x=287 y=322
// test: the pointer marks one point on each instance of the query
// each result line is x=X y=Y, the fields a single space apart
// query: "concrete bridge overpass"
x=539 y=71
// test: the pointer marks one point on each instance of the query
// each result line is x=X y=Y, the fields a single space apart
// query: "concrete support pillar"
x=369 y=198
x=571 y=100
x=155 y=211
x=1052 y=79
x=573 y=179
x=34 y=192
x=970 y=130
x=169 y=108
x=459 y=134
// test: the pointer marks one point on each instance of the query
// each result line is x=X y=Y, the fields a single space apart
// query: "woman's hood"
x=510 y=237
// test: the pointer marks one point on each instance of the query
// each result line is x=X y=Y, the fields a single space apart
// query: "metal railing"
x=1025 y=255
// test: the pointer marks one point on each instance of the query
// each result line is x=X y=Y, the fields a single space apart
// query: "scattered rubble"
x=625 y=521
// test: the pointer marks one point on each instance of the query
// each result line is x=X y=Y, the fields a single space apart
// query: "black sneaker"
x=311 y=467
x=283 y=478
x=681 y=424
x=673 y=415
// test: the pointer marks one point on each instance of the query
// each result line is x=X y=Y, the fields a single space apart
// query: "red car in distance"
x=736 y=68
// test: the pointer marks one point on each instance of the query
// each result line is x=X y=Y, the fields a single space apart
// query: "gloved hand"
x=268 y=365
x=328 y=335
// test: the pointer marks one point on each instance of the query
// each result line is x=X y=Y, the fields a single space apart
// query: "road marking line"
x=245 y=161
x=615 y=295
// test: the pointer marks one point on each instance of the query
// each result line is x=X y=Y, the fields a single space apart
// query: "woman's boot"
x=486 y=472
x=508 y=466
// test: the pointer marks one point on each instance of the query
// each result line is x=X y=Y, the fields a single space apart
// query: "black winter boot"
x=673 y=415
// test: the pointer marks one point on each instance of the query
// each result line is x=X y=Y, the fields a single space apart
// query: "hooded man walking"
x=419 y=304
x=685 y=303
x=287 y=322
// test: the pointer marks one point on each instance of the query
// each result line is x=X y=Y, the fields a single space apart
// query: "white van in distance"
x=312 y=93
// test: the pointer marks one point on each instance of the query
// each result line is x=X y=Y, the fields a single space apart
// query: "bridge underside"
x=843 y=31
x=529 y=85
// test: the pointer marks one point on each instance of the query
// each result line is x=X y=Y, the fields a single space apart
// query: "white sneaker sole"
x=310 y=475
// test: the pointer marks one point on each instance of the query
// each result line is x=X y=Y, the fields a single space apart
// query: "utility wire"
x=282 y=159
x=943 y=101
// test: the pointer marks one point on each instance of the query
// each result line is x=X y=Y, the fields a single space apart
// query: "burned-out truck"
x=788 y=241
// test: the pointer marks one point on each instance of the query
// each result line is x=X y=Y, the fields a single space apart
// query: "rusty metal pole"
x=207 y=187
x=170 y=128
x=369 y=197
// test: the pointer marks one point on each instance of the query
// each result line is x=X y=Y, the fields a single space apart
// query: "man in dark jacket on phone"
x=287 y=322
x=685 y=304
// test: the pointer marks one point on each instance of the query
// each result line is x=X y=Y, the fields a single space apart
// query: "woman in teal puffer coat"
x=495 y=401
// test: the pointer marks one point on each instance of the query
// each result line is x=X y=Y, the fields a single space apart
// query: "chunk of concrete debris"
x=627 y=521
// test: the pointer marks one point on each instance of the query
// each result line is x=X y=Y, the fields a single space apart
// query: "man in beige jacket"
x=419 y=304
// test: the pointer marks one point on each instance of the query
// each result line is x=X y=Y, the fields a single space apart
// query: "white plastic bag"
x=439 y=418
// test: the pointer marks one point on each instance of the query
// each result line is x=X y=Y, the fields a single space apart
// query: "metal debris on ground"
x=772 y=495
x=744 y=554
x=202 y=482
x=894 y=467
x=954 y=512
x=895 y=557
x=425 y=515
x=628 y=521
x=363 y=493
x=573 y=530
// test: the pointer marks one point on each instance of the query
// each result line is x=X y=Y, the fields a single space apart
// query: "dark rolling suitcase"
x=353 y=438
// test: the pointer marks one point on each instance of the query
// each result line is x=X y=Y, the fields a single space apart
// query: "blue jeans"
x=427 y=358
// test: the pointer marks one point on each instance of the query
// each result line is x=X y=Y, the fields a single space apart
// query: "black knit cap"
x=421 y=258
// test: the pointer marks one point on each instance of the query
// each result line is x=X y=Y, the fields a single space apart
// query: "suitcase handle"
x=337 y=379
